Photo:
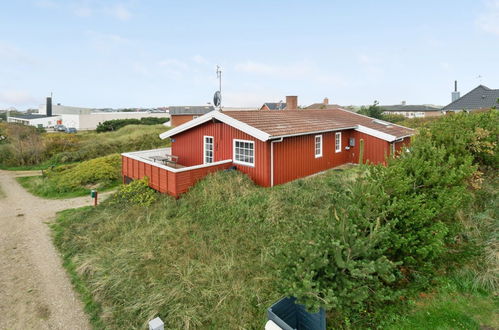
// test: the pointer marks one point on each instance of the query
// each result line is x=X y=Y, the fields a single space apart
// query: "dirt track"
x=35 y=291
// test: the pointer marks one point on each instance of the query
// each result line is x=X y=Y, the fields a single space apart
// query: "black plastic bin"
x=291 y=316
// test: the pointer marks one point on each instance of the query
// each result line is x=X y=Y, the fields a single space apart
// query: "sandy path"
x=35 y=291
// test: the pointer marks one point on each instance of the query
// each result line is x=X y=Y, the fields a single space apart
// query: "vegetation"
x=23 y=147
x=76 y=179
x=2 y=193
x=115 y=124
x=377 y=246
x=373 y=111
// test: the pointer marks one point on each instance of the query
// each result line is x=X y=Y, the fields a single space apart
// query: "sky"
x=151 y=53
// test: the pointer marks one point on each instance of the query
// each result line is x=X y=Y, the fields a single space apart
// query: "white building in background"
x=80 y=118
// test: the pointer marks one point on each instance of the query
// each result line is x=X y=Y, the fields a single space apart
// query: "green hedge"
x=115 y=124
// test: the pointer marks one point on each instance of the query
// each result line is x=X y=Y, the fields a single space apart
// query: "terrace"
x=165 y=172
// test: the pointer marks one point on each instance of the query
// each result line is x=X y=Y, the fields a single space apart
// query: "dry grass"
x=203 y=261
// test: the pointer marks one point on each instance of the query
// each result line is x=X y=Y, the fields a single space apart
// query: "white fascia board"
x=376 y=133
x=250 y=130
x=188 y=125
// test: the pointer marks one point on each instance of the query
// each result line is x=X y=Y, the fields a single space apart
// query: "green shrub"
x=115 y=124
x=136 y=192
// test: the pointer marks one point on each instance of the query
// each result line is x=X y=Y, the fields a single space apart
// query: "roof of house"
x=275 y=105
x=409 y=107
x=322 y=106
x=30 y=116
x=481 y=97
x=266 y=125
x=191 y=110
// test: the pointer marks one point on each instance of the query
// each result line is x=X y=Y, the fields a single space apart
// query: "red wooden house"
x=271 y=147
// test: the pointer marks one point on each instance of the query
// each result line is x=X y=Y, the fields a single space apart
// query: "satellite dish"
x=217 y=99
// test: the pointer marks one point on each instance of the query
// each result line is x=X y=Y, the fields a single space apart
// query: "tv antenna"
x=217 y=98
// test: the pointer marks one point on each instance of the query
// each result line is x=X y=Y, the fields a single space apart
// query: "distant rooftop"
x=275 y=105
x=190 y=110
x=30 y=116
x=410 y=107
x=481 y=97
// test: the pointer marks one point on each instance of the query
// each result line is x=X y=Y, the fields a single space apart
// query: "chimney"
x=48 y=105
x=291 y=102
x=326 y=101
x=403 y=102
x=455 y=93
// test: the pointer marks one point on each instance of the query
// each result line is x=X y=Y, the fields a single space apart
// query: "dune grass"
x=202 y=261
x=205 y=261
x=455 y=304
x=66 y=181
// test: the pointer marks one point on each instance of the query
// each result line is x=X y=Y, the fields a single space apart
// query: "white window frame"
x=212 y=150
x=318 y=155
x=337 y=138
x=240 y=162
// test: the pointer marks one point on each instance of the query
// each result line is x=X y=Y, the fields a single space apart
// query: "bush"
x=392 y=229
x=115 y=124
x=100 y=173
x=136 y=192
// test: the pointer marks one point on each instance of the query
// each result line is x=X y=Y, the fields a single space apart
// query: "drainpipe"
x=272 y=160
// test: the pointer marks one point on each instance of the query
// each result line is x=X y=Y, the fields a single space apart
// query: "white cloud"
x=88 y=8
x=120 y=12
x=284 y=70
x=199 y=59
x=83 y=11
x=489 y=20
x=46 y=4
x=12 y=54
x=17 y=97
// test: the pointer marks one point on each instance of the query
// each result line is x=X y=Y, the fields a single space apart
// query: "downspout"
x=272 y=160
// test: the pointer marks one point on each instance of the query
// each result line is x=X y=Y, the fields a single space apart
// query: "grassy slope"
x=203 y=261
x=102 y=173
x=38 y=186
x=93 y=144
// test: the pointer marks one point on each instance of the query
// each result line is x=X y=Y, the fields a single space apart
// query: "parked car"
x=70 y=130
x=60 y=128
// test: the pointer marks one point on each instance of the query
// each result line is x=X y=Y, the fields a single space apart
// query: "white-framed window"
x=337 y=142
x=244 y=152
x=318 y=146
x=208 y=149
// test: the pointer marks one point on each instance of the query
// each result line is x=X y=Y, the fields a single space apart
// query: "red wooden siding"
x=399 y=145
x=164 y=181
x=294 y=157
x=188 y=146
x=375 y=150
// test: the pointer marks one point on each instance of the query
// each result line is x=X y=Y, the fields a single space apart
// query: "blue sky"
x=154 y=53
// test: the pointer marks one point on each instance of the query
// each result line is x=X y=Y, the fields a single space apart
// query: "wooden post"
x=95 y=199
x=361 y=151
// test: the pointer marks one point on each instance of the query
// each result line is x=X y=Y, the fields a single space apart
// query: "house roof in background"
x=480 y=97
x=191 y=110
x=266 y=125
x=410 y=107
x=275 y=105
x=322 y=106
x=30 y=116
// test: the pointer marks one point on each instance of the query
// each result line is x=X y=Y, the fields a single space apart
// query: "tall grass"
x=76 y=179
x=203 y=261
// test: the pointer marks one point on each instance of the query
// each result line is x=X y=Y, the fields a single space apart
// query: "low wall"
x=166 y=179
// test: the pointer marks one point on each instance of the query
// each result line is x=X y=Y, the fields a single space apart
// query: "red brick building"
x=271 y=147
